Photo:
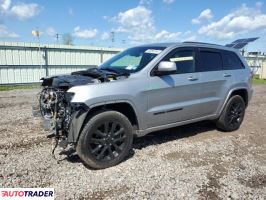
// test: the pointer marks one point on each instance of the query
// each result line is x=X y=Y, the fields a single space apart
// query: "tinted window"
x=232 y=61
x=210 y=60
x=184 y=60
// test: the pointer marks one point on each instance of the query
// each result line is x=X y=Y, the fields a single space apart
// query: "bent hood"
x=66 y=81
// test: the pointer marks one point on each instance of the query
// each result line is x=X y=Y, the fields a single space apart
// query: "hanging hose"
x=56 y=145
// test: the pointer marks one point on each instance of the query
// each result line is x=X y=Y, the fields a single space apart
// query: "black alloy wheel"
x=235 y=113
x=105 y=139
x=232 y=115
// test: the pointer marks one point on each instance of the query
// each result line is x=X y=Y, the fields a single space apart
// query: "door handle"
x=227 y=75
x=191 y=78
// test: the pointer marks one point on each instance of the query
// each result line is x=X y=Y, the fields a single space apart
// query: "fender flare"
x=228 y=97
x=78 y=118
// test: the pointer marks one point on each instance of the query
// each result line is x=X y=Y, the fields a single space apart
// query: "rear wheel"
x=105 y=140
x=232 y=115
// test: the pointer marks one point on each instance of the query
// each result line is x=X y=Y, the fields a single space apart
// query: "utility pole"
x=57 y=37
x=113 y=37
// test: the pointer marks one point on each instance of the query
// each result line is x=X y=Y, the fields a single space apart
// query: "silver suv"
x=96 y=112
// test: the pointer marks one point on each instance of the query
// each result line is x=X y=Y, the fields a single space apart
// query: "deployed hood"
x=93 y=75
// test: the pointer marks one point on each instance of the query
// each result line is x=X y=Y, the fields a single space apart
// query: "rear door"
x=233 y=66
x=214 y=81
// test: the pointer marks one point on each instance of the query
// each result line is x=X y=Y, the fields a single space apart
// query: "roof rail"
x=201 y=43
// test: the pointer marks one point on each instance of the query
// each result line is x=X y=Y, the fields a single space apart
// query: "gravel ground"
x=190 y=162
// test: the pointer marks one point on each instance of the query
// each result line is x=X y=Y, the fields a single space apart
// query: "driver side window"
x=184 y=60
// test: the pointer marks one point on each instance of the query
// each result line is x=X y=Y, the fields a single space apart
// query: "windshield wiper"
x=116 y=71
x=112 y=70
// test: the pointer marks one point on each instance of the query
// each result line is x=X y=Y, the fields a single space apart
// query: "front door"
x=176 y=97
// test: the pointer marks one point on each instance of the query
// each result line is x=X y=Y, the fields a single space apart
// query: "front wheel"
x=105 y=140
x=232 y=115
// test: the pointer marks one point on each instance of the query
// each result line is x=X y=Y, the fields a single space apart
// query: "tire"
x=232 y=115
x=105 y=140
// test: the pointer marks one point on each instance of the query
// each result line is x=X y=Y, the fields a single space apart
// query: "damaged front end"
x=56 y=109
x=63 y=118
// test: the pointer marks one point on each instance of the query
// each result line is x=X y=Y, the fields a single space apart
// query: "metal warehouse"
x=28 y=62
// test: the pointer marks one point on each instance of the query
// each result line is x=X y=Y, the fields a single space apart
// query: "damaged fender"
x=76 y=125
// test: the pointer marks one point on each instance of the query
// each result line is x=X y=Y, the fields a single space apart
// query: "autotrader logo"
x=27 y=193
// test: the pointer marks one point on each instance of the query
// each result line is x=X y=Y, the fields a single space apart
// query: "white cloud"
x=105 y=36
x=168 y=1
x=120 y=30
x=4 y=5
x=20 y=11
x=139 y=17
x=190 y=38
x=23 y=11
x=51 y=32
x=85 y=34
x=166 y=36
x=5 y=33
x=145 y=2
x=204 y=15
x=243 y=20
x=138 y=22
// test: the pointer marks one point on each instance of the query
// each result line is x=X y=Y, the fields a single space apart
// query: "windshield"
x=131 y=60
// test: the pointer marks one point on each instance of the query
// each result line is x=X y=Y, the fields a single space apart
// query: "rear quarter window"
x=210 y=60
x=232 y=61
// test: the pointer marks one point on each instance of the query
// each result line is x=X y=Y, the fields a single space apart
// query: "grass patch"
x=19 y=87
x=258 y=81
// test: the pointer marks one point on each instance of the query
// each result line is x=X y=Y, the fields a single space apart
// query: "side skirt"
x=140 y=133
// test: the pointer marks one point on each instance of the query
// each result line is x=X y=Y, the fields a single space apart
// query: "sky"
x=133 y=22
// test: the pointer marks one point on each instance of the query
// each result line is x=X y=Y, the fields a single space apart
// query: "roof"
x=159 y=44
x=196 y=44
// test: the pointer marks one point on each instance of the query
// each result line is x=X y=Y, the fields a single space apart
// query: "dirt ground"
x=189 y=162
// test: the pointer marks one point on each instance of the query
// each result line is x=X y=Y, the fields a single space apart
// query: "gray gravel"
x=189 y=162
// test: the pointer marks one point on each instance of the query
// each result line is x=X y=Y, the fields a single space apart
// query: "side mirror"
x=166 y=68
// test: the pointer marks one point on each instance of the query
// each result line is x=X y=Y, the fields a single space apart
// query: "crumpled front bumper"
x=75 y=126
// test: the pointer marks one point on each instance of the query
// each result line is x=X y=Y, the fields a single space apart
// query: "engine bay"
x=55 y=102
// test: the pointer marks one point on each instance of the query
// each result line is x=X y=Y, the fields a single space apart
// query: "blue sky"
x=134 y=21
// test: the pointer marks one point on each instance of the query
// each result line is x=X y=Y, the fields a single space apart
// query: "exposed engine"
x=55 y=107
x=54 y=101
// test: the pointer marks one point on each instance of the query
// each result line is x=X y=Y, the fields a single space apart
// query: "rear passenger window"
x=210 y=60
x=184 y=60
x=232 y=61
